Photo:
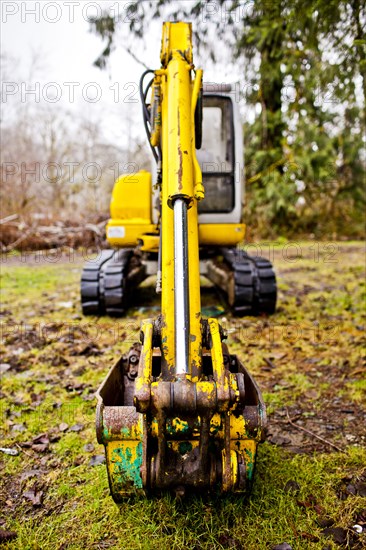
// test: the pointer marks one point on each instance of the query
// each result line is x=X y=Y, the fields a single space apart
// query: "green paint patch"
x=126 y=463
x=185 y=447
x=250 y=463
x=177 y=426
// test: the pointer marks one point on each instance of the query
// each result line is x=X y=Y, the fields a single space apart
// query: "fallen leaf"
x=40 y=447
x=34 y=496
x=325 y=522
x=41 y=438
x=96 y=460
x=89 y=397
x=309 y=503
x=309 y=536
x=59 y=361
x=29 y=473
x=36 y=399
x=63 y=427
x=229 y=542
x=291 y=487
x=77 y=428
x=40 y=443
x=4 y=367
x=338 y=534
x=18 y=428
x=77 y=388
x=87 y=351
x=318 y=509
x=351 y=489
x=360 y=488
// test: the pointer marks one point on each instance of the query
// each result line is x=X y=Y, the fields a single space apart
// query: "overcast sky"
x=55 y=45
x=50 y=43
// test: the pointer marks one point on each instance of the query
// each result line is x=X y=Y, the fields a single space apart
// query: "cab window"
x=216 y=156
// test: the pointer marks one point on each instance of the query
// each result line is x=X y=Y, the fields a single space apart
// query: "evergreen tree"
x=305 y=63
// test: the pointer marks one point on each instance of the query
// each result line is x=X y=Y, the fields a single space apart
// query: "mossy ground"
x=307 y=359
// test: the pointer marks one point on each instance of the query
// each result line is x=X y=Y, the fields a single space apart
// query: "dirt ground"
x=309 y=360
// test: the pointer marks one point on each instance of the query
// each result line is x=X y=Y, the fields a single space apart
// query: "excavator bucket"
x=193 y=436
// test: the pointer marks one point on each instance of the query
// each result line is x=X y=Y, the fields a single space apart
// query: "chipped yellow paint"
x=205 y=386
x=176 y=36
x=247 y=448
x=230 y=482
x=179 y=173
x=177 y=445
x=145 y=366
x=217 y=357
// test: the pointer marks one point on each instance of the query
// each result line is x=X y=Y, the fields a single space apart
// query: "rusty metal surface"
x=120 y=421
x=175 y=433
x=184 y=440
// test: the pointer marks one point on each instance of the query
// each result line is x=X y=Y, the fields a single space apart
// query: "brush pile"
x=20 y=234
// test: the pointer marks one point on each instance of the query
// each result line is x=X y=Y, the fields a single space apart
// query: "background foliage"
x=302 y=90
x=304 y=68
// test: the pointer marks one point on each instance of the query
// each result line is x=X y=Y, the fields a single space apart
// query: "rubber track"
x=91 y=298
x=102 y=283
x=255 y=283
x=114 y=284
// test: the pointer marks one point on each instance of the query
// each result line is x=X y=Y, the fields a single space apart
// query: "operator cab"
x=221 y=157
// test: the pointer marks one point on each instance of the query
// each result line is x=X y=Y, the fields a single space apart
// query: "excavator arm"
x=181 y=188
x=179 y=412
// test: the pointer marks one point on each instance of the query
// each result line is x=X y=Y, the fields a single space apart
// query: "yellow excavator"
x=109 y=283
x=178 y=411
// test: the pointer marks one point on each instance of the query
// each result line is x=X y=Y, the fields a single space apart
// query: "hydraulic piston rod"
x=181 y=283
x=181 y=189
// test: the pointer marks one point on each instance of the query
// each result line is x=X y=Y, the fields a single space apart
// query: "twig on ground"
x=312 y=433
x=18 y=241
x=269 y=363
x=9 y=218
x=23 y=450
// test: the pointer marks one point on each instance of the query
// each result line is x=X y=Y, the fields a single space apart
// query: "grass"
x=79 y=513
x=307 y=359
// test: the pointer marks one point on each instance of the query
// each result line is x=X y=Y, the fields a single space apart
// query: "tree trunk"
x=271 y=78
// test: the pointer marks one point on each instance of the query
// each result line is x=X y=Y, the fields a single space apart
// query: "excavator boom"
x=181 y=187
